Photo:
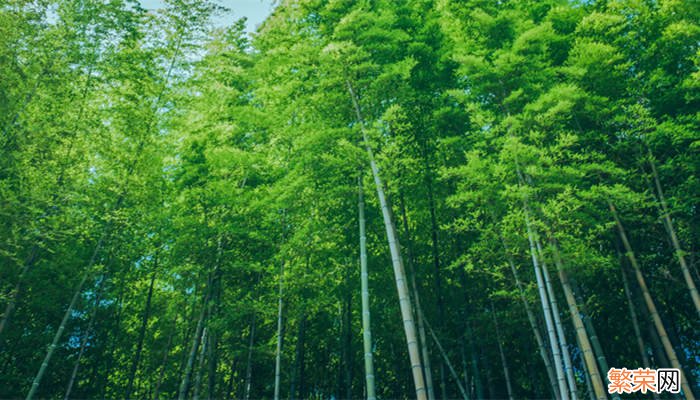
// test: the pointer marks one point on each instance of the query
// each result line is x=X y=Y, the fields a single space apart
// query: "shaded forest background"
x=181 y=213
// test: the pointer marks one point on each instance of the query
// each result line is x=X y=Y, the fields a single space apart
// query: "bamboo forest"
x=354 y=199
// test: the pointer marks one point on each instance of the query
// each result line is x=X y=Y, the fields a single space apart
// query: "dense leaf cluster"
x=179 y=200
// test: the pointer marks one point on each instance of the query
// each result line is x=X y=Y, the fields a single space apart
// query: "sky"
x=255 y=10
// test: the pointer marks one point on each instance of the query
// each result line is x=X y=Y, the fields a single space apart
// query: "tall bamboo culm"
x=568 y=369
x=553 y=342
x=364 y=276
x=656 y=319
x=674 y=239
x=397 y=263
x=584 y=341
x=278 y=353
x=533 y=324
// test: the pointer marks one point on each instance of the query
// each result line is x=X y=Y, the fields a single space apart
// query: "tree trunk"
x=364 y=277
x=634 y=318
x=112 y=340
x=196 y=340
x=568 y=369
x=595 y=342
x=213 y=347
x=658 y=353
x=33 y=253
x=338 y=389
x=120 y=199
x=347 y=346
x=584 y=341
x=446 y=360
x=469 y=336
x=142 y=335
x=478 y=384
x=491 y=390
x=56 y=338
x=425 y=353
x=587 y=377
x=212 y=363
x=98 y=246
x=83 y=342
x=249 y=361
x=213 y=343
x=188 y=333
x=660 y=329
x=553 y=342
x=14 y=295
x=278 y=354
x=674 y=239
x=200 y=368
x=231 y=379
x=533 y=324
x=397 y=262
x=465 y=372
x=435 y=246
x=531 y=368
x=593 y=335
x=297 y=384
x=164 y=363
x=504 y=363
x=64 y=321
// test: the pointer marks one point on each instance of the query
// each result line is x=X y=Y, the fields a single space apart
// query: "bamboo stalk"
x=142 y=335
x=558 y=325
x=660 y=329
x=447 y=360
x=64 y=321
x=83 y=342
x=364 y=277
x=196 y=340
x=397 y=263
x=423 y=340
x=533 y=324
x=278 y=353
x=634 y=319
x=595 y=342
x=249 y=362
x=200 y=368
x=504 y=363
x=674 y=239
x=553 y=343
x=584 y=341
x=164 y=363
